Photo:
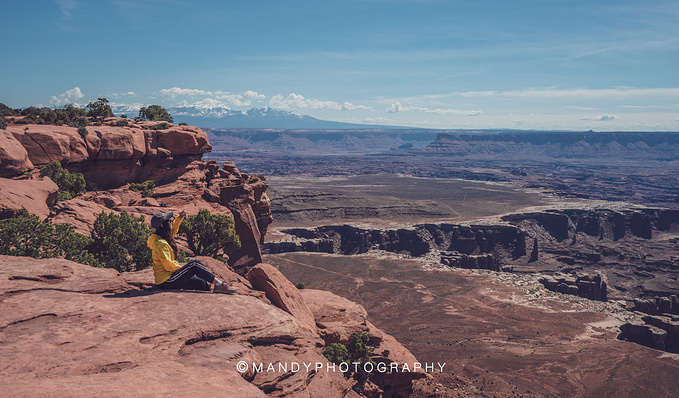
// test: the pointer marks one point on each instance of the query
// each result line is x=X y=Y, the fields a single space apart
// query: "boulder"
x=78 y=213
x=32 y=195
x=282 y=293
x=13 y=156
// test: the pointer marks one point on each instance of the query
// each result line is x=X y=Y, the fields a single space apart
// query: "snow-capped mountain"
x=267 y=117
x=214 y=114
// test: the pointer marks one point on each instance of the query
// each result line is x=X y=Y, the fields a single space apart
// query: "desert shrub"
x=182 y=257
x=6 y=110
x=209 y=234
x=145 y=187
x=299 y=285
x=358 y=350
x=26 y=235
x=119 y=241
x=99 y=108
x=160 y=126
x=183 y=124
x=121 y=123
x=123 y=116
x=3 y=123
x=155 y=113
x=336 y=353
x=31 y=110
x=70 y=184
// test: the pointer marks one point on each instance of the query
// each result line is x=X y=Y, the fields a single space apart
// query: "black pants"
x=192 y=276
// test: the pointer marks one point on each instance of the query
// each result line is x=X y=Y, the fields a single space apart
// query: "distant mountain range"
x=208 y=116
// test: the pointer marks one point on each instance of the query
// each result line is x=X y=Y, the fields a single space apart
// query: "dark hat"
x=159 y=218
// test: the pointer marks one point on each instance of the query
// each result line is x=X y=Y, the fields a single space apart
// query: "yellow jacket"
x=164 y=263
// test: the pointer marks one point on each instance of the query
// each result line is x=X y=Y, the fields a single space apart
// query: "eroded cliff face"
x=122 y=151
x=115 y=153
x=631 y=249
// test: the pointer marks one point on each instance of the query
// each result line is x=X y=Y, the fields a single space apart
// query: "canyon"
x=531 y=264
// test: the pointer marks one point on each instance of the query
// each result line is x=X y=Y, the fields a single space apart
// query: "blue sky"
x=573 y=65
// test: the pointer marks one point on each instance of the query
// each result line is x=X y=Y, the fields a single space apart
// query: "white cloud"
x=66 y=19
x=129 y=93
x=67 y=97
x=397 y=107
x=550 y=92
x=251 y=95
x=174 y=92
x=295 y=101
x=244 y=99
x=601 y=118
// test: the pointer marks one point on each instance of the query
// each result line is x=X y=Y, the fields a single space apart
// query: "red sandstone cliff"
x=111 y=156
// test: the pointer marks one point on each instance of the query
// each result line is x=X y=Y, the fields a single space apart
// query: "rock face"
x=415 y=241
x=13 y=156
x=593 y=288
x=74 y=330
x=113 y=154
x=122 y=151
x=32 y=195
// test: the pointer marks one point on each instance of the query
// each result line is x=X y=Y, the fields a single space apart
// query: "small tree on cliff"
x=99 y=108
x=207 y=234
x=155 y=113
x=119 y=241
x=70 y=184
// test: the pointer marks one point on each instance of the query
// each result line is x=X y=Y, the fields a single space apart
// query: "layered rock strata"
x=416 y=241
x=115 y=153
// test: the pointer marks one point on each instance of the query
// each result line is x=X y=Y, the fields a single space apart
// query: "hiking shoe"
x=224 y=288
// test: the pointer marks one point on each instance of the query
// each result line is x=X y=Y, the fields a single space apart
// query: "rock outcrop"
x=115 y=153
x=593 y=288
x=13 y=156
x=416 y=241
x=75 y=330
x=33 y=195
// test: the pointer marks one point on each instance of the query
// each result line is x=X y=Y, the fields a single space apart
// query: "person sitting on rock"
x=167 y=272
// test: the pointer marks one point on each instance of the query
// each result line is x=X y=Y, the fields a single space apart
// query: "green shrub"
x=145 y=187
x=6 y=110
x=99 y=108
x=209 y=234
x=70 y=184
x=119 y=241
x=337 y=353
x=182 y=257
x=299 y=285
x=183 y=124
x=26 y=235
x=123 y=116
x=155 y=113
x=160 y=126
x=358 y=350
x=121 y=123
x=3 y=123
